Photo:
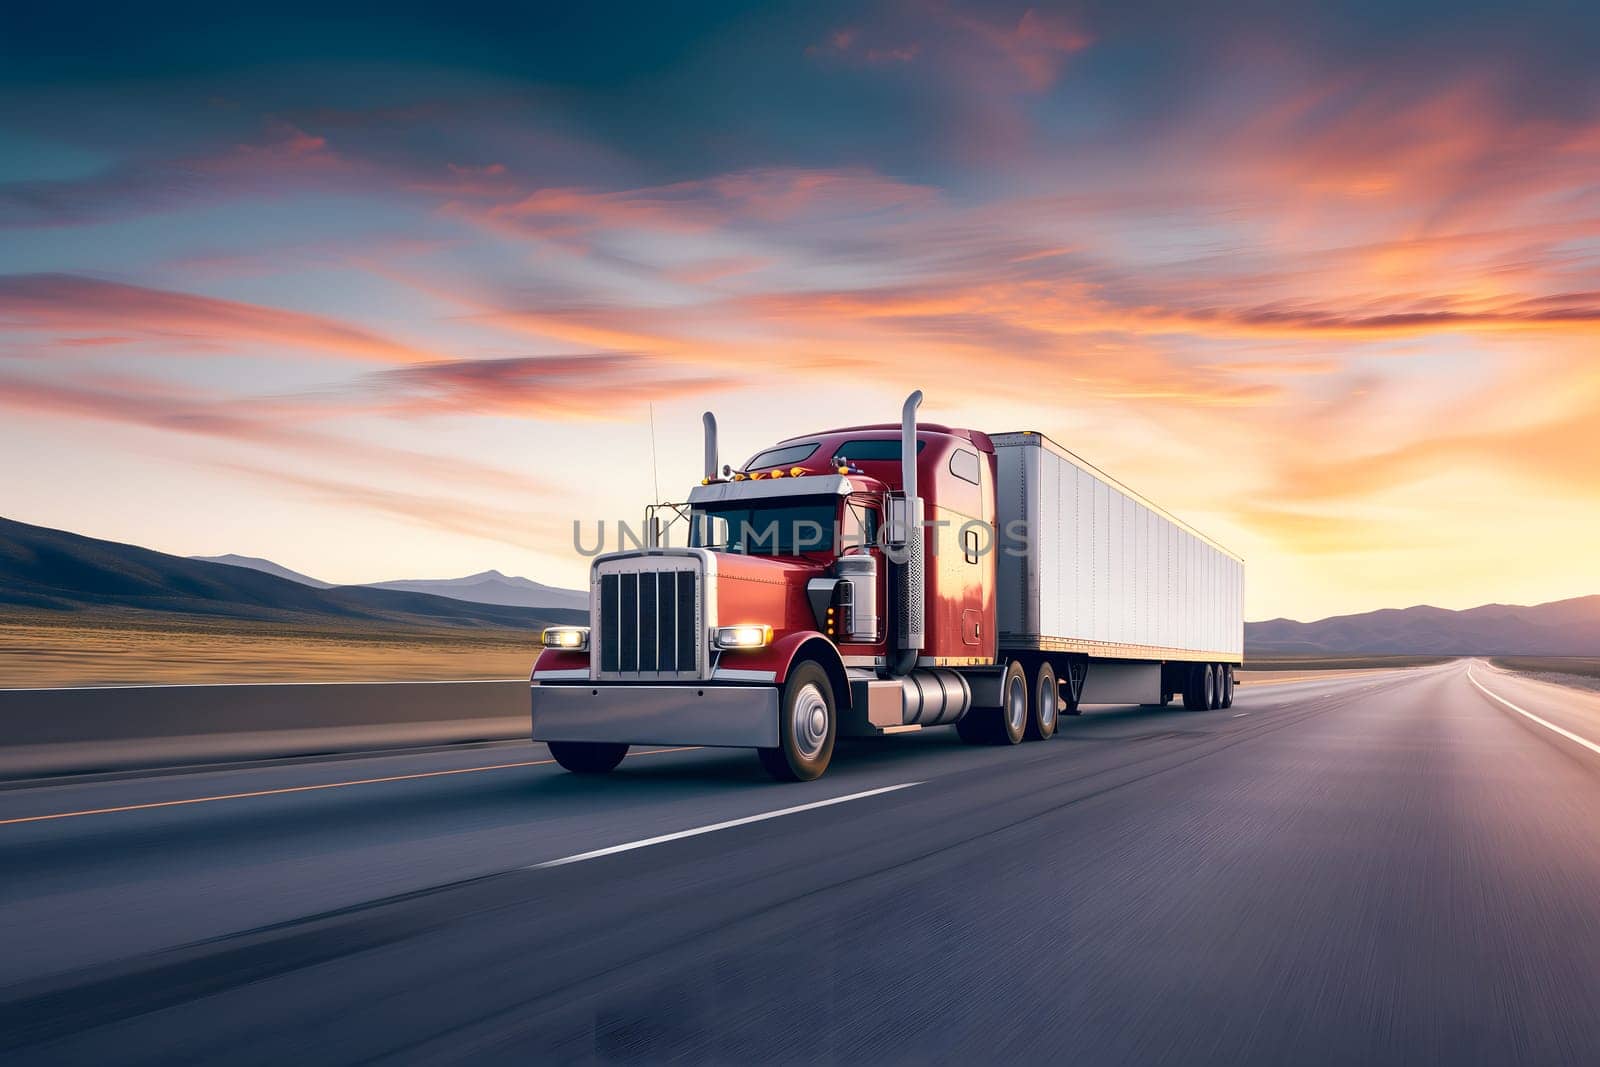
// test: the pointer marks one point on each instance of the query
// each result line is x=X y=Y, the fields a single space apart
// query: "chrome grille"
x=650 y=624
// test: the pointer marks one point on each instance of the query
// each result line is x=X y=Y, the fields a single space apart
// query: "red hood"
x=761 y=589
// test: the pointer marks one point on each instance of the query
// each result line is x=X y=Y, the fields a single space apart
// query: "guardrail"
x=78 y=731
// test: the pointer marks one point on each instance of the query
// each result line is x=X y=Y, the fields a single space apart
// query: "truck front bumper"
x=731 y=716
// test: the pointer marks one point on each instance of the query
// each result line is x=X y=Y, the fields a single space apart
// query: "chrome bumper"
x=732 y=716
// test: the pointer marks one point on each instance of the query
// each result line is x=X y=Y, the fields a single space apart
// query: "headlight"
x=744 y=636
x=572 y=638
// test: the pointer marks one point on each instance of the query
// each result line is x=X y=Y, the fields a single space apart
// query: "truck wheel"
x=1227 y=686
x=588 y=757
x=1014 y=703
x=807 y=726
x=1197 y=693
x=1046 y=704
x=977 y=726
x=1214 y=686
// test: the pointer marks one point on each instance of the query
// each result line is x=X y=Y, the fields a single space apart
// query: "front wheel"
x=807 y=725
x=588 y=757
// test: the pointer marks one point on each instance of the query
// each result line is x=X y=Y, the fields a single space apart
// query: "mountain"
x=489 y=587
x=59 y=571
x=492 y=587
x=1560 y=628
x=266 y=566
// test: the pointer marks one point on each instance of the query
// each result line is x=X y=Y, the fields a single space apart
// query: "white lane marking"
x=1240 y=714
x=1525 y=713
x=285 y=790
x=681 y=834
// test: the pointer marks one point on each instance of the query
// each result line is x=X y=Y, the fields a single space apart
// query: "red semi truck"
x=882 y=579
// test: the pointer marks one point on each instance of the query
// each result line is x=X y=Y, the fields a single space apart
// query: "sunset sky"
x=390 y=299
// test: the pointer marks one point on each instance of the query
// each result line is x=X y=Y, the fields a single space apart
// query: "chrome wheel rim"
x=1049 y=705
x=1017 y=705
x=810 y=721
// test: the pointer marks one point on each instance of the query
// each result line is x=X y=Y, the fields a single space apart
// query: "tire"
x=1227 y=686
x=808 y=723
x=1214 y=689
x=1014 y=706
x=977 y=726
x=1044 y=707
x=1197 y=690
x=588 y=757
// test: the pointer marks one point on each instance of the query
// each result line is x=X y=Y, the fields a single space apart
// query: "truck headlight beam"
x=743 y=636
x=570 y=638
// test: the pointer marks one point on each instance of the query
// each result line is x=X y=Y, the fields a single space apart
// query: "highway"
x=1387 y=868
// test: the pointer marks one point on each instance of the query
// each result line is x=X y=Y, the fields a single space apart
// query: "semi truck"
x=883 y=579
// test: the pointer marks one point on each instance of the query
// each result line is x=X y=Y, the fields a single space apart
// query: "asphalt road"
x=1390 y=868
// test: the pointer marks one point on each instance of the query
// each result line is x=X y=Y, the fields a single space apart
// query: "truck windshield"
x=777 y=529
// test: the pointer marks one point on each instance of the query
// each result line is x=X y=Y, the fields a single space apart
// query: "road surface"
x=1392 y=868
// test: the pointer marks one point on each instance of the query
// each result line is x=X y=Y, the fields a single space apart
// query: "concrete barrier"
x=76 y=731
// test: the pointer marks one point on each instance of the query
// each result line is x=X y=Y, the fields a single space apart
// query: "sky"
x=403 y=295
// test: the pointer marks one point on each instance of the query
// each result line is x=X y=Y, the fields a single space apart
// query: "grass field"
x=48 y=649
x=1336 y=663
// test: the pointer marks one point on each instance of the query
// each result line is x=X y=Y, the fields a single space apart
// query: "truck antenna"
x=655 y=478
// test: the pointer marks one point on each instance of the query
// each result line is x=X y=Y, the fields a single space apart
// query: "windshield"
x=776 y=529
x=782 y=456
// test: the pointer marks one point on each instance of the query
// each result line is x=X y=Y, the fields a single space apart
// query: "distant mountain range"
x=58 y=571
x=489 y=587
x=1560 y=628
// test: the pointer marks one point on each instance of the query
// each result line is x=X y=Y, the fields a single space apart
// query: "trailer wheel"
x=1045 y=711
x=1217 y=686
x=588 y=757
x=807 y=726
x=1227 y=685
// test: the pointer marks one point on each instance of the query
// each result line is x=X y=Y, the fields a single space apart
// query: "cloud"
x=285 y=156
x=586 y=386
x=73 y=305
x=286 y=426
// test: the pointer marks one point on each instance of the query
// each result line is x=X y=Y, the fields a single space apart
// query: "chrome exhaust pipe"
x=912 y=581
x=710 y=422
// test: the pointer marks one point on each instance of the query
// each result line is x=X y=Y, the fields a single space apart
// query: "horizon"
x=374 y=301
x=219 y=558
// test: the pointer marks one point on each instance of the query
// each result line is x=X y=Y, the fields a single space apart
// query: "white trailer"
x=1147 y=606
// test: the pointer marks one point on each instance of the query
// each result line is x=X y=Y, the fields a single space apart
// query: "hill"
x=1559 y=628
x=492 y=587
x=57 y=571
x=266 y=566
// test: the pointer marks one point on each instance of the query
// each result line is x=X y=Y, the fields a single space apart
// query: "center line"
x=681 y=834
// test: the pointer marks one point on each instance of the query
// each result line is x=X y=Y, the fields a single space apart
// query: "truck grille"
x=650 y=623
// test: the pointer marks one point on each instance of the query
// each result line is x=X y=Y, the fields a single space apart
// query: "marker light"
x=571 y=638
x=777 y=473
x=743 y=636
x=795 y=472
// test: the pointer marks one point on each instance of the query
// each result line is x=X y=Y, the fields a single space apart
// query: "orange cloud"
x=65 y=303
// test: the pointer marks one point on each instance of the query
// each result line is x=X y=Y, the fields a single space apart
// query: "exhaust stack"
x=710 y=422
x=912 y=606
